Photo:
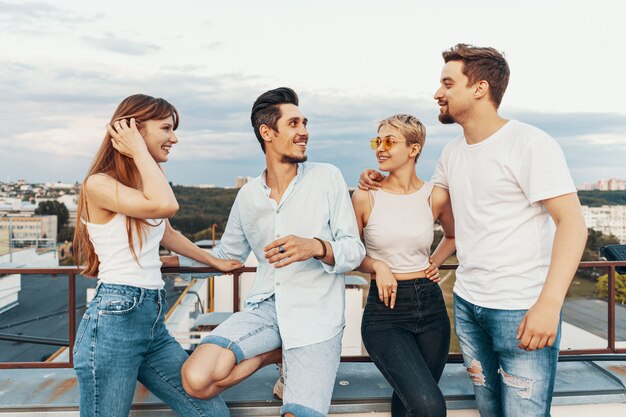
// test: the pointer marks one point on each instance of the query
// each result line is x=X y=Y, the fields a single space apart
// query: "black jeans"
x=410 y=345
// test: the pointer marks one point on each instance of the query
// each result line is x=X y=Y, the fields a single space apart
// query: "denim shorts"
x=309 y=371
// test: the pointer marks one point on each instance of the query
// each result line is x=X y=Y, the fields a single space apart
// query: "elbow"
x=166 y=210
x=172 y=209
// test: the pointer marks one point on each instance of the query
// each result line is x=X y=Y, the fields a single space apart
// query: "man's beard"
x=446 y=118
x=287 y=159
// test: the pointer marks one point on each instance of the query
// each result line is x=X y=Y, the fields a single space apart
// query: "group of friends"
x=501 y=192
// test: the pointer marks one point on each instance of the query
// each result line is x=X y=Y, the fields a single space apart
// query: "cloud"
x=59 y=115
x=112 y=43
x=39 y=18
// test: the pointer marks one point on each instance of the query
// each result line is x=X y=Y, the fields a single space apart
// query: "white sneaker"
x=279 y=386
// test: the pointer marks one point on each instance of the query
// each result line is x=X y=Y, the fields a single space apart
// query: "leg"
x=309 y=389
x=527 y=378
x=398 y=356
x=160 y=373
x=108 y=355
x=480 y=358
x=237 y=348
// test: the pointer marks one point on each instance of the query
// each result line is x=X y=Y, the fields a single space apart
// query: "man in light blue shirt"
x=298 y=220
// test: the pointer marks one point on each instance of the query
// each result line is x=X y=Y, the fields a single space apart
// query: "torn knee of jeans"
x=522 y=385
x=475 y=371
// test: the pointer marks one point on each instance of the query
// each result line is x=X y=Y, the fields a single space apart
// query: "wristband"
x=323 y=246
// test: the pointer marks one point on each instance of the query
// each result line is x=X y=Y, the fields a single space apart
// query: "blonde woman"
x=405 y=327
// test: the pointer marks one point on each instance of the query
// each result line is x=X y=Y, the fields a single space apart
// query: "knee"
x=431 y=406
x=201 y=374
x=195 y=381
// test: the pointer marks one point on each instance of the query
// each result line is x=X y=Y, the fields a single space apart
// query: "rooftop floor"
x=359 y=389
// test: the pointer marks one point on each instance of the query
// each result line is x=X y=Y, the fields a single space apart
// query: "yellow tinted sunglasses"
x=386 y=141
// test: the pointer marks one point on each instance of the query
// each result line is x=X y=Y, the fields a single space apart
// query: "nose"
x=303 y=130
x=438 y=93
x=173 y=138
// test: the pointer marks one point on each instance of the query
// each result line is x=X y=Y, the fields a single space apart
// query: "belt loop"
x=141 y=295
x=98 y=285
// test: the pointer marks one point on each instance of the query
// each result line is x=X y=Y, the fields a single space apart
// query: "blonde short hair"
x=409 y=126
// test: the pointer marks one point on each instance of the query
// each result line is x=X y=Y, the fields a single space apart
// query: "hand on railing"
x=185 y=262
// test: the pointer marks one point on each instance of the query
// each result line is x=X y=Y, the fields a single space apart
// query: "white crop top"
x=400 y=229
x=117 y=265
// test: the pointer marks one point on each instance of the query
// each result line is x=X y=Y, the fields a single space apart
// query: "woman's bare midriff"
x=405 y=276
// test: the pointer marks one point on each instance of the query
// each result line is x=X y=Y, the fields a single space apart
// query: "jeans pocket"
x=116 y=304
x=82 y=328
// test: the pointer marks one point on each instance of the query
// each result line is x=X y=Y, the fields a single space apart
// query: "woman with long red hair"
x=122 y=214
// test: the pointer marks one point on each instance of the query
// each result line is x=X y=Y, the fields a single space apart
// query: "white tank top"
x=117 y=265
x=400 y=229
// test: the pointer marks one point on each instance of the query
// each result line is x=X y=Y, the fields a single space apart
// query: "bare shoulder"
x=101 y=186
x=440 y=194
x=440 y=200
x=360 y=198
x=98 y=181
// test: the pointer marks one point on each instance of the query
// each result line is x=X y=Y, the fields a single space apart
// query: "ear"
x=415 y=150
x=481 y=89
x=265 y=132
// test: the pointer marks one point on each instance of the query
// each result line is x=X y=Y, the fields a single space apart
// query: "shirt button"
x=277 y=211
x=277 y=235
x=278 y=284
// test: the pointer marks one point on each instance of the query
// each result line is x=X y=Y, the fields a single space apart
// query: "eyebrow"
x=304 y=120
x=447 y=79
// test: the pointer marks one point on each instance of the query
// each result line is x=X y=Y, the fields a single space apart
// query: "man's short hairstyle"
x=266 y=109
x=482 y=64
x=409 y=126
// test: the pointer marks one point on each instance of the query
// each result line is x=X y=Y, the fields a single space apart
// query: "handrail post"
x=611 y=309
x=72 y=312
x=236 y=277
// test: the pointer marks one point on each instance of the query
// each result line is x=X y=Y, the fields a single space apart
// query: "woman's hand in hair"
x=126 y=138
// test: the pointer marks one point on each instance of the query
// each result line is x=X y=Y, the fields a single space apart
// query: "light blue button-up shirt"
x=310 y=295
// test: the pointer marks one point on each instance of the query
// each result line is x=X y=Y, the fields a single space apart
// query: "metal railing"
x=453 y=357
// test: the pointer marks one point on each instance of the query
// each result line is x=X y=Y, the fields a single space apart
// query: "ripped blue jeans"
x=508 y=381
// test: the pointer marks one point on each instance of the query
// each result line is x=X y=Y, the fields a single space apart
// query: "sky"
x=65 y=65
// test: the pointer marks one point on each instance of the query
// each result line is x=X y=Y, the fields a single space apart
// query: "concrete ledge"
x=359 y=390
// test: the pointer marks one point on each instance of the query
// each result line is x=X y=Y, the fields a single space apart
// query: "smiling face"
x=291 y=136
x=159 y=137
x=400 y=153
x=454 y=96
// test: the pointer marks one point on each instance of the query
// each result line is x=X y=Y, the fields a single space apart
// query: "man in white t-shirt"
x=509 y=186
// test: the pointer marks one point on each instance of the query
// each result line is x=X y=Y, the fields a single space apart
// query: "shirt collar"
x=299 y=174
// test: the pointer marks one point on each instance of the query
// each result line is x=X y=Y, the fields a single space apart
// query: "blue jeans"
x=508 y=381
x=309 y=371
x=121 y=339
x=409 y=345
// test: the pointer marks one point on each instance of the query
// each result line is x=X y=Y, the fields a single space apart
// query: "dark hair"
x=266 y=109
x=482 y=64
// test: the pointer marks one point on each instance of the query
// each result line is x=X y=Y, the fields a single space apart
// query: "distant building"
x=241 y=181
x=612 y=184
x=607 y=220
x=30 y=228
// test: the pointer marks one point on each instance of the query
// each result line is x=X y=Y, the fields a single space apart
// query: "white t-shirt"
x=503 y=232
